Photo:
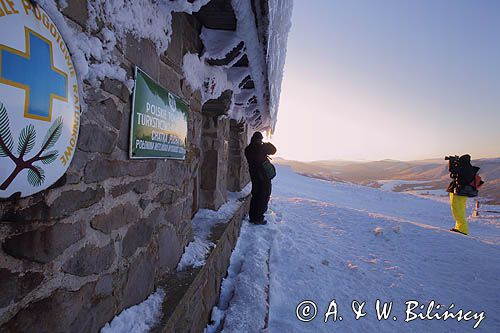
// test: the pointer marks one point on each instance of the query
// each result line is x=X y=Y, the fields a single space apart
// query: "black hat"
x=257 y=136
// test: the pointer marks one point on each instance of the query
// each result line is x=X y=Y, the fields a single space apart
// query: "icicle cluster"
x=259 y=107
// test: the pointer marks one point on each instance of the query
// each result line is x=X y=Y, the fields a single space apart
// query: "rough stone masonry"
x=100 y=239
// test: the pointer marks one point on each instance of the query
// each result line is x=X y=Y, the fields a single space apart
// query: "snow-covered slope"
x=333 y=241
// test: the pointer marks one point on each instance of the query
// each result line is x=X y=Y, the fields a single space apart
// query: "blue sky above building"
x=391 y=79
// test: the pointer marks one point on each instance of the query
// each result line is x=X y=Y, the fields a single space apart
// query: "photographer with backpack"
x=261 y=172
x=465 y=184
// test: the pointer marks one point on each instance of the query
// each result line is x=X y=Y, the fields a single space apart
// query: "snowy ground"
x=390 y=185
x=138 y=318
x=330 y=241
x=422 y=190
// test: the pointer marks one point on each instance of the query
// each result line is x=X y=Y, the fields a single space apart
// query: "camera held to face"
x=453 y=165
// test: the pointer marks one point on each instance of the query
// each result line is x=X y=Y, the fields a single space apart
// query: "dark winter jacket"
x=257 y=153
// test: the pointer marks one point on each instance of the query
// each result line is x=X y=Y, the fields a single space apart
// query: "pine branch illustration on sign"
x=26 y=142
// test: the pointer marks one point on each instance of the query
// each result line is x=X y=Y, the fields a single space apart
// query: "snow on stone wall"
x=218 y=43
x=211 y=81
x=93 y=57
x=113 y=20
x=142 y=18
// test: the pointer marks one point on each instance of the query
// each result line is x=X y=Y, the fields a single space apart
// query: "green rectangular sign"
x=159 y=121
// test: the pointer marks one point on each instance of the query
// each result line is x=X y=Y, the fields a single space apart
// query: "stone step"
x=191 y=294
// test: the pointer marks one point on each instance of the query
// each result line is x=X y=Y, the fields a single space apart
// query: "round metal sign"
x=39 y=101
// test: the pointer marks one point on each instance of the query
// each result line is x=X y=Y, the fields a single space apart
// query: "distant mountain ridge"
x=435 y=171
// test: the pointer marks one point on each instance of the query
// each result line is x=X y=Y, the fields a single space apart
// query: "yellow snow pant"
x=458 y=209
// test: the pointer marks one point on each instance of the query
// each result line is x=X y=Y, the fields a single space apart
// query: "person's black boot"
x=261 y=222
x=457 y=231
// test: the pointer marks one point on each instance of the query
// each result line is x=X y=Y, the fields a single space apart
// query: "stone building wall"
x=237 y=173
x=100 y=239
x=215 y=148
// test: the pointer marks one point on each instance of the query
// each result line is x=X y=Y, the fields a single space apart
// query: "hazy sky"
x=391 y=79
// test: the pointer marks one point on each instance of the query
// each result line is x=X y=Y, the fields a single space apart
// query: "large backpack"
x=471 y=190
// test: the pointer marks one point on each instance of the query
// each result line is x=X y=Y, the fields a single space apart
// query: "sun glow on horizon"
x=350 y=93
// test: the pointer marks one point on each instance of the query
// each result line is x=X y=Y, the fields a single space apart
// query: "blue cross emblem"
x=34 y=72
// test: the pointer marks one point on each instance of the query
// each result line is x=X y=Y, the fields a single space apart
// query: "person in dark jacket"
x=462 y=186
x=257 y=153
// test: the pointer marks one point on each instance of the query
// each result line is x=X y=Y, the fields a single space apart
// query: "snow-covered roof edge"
x=248 y=32
x=280 y=22
x=264 y=34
